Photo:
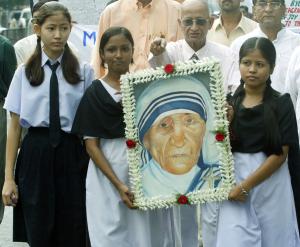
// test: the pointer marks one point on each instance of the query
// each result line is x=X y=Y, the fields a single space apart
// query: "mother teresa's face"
x=175 y=141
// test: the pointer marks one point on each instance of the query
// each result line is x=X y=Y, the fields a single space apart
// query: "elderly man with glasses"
x=269 y=15
x=195 y=22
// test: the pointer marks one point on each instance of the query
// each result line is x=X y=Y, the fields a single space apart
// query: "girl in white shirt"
x=47 y=189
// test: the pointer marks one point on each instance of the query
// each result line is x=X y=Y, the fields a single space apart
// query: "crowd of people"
x=66 y=175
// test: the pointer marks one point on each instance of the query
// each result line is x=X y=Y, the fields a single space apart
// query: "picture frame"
x=177 y=136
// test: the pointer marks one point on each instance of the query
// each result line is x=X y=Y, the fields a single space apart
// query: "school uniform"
x=7 y=68
x=110 y=222
x=50 y=179
x=268 y=217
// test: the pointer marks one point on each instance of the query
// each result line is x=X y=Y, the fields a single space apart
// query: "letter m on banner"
x=89 y=36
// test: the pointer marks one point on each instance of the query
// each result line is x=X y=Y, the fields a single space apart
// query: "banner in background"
x=292 y=18
x=83 y=37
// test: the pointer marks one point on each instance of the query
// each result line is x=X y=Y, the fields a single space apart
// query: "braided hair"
x=271 y=128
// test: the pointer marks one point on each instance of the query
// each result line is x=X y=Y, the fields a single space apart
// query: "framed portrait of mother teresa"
x=177 y=134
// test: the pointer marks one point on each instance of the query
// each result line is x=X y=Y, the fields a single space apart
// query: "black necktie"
x=54 y=119
x=194 y=57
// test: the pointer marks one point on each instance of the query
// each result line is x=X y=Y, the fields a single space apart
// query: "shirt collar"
x=242 y=24
x=189 y=52
x=45 y=58
x=140 y=6
x=217 y=24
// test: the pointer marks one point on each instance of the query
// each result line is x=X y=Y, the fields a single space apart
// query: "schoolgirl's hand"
x=230 y=112
x=126 y=196
x=238 y=193
x=10 y=193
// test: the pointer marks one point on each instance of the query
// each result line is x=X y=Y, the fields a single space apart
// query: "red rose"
x=131 y=143
x=220 y=137
x=182 y=199
x=169 y=68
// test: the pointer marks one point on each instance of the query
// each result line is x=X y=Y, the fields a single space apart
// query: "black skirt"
x=51 y=183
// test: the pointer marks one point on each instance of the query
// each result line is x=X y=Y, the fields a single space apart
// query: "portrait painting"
x=177 y=134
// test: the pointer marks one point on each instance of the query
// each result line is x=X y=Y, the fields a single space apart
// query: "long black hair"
x=69 y=63
x=271 y=128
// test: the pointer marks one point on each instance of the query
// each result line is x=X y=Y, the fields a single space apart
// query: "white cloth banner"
x=83 y=38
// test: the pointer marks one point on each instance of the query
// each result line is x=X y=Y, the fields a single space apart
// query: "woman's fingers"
x=10 y=193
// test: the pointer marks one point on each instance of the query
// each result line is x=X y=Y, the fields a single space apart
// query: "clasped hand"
x=126 y=196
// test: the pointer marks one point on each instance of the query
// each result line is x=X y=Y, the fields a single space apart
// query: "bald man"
x=195 y=22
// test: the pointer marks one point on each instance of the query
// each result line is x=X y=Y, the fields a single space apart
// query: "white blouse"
x=31 y=103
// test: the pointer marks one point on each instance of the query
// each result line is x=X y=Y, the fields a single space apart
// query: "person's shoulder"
x=179 y=42
x=296 y=53
x=291 y=36
x=219 y=48
x=284 y=99
x=26 y=41
x=248 y=24
x=20 y=74
x=237 y=43
x=249 y=21
x=291 y=33
x=172 y=3
x=92 y=87
x=84 y=64
x=216 y=24
x=4 y=40
x=112 y=6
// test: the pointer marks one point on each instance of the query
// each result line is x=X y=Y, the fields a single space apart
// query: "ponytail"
x=69 y=63
x=272 y=142
x=272 y=133
x=33 y=70
x=238 y=95
x=70 y=66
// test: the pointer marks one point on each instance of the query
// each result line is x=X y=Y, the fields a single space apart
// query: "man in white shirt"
x=292 y=83
x=269 y=14
x=231 y=24
x=195 y=23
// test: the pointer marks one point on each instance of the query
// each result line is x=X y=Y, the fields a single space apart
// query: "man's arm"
x=160 y=53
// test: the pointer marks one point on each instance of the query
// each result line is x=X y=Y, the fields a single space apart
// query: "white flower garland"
x=128 y=81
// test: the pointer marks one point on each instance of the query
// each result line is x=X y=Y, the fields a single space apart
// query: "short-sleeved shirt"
x=31 y=103
x=249 y=127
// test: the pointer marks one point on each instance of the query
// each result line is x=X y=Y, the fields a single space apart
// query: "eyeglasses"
x=189 y=22
x=264 y=4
